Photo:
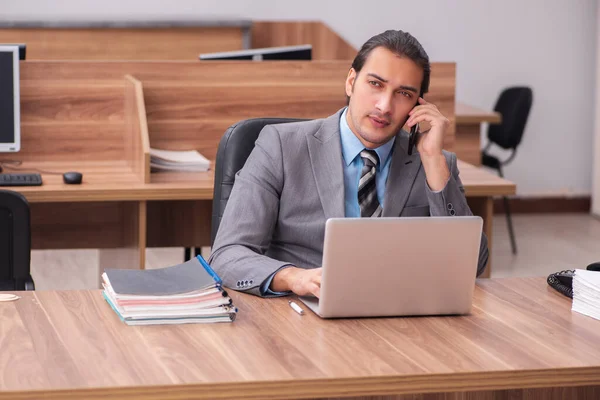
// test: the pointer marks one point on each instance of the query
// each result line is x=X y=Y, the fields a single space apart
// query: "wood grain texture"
x=137 y=142
x=182 y=95
x=442 y=93
x=122 y=43
x=78 y=225
x=481 y=183
x=466 y=114
x=505 y=347
x=112 y=181
x=132 y=253
x=179 y=223
x=327 y=45
x=44 y=100
x=467 y=144
x=184 y=72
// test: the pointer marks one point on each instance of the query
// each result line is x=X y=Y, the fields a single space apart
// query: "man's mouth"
x=379 y=122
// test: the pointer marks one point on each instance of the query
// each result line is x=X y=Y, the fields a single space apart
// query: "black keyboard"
x=20 y=179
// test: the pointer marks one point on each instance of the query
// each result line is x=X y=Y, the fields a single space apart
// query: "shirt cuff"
x=264 y=287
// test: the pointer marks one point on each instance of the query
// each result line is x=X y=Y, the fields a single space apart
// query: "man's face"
x=381 y=96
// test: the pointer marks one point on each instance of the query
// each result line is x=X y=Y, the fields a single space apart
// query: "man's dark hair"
x=403 y=44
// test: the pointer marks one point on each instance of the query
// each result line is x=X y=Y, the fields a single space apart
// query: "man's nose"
x=384 y=104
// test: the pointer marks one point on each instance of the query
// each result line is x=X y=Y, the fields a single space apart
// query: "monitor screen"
x=302 y=52
x=10 y=120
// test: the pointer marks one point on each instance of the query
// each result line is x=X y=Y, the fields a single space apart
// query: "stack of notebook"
x=169 y=160
x=586 y=293
x=186 y=293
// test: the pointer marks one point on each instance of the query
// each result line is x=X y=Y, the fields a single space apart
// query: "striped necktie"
x=367 y=187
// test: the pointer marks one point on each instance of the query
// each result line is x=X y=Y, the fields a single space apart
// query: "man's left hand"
x=430 y=143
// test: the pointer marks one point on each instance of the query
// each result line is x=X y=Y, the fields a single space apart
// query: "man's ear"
x=350 y=79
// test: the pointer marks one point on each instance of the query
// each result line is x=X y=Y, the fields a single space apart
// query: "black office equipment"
x=234 y=148
x=301 y=52
x=72 y=178
x=20 y=179
x=10 y=104
x=22 y=49
x=563 y=281
x=514 y=105
x=15 y=242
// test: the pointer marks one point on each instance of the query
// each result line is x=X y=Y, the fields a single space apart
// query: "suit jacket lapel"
x=402 y=174
x=325 y=151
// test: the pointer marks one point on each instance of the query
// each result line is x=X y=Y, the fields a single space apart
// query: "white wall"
x=547 y=44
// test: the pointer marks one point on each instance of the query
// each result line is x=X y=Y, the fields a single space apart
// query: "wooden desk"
x=520 y=341
x=468 y=131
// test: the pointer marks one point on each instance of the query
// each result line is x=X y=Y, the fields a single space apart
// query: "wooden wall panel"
x=189 y=105
x=184 y=72
x=179 y=223
x=131 y=254
x=442 y=93
x=57 y=100
x=237 y=100
x=123 y=44
x=70 y=120
x=78 y=225
x=136 y=140
x=327 y=45
x=70 y=141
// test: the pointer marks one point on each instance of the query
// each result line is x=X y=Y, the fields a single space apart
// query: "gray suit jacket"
x=293 y=182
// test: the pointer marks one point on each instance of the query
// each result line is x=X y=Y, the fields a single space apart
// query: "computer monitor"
x=10 y=110
x=301 y=52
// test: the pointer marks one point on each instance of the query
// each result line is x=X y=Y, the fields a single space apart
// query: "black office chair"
x=15 y=242
x=514 y=105
x=234 y=148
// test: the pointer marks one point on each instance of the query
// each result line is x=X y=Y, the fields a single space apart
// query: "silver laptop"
x=374 y=267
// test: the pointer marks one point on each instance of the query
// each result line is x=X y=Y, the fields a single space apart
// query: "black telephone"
x=414 y=132
x=563 y=280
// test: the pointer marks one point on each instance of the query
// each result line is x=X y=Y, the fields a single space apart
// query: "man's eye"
x=374 y=83
x=404 y=93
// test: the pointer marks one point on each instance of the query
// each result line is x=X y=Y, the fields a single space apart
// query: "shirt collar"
x=351 y=145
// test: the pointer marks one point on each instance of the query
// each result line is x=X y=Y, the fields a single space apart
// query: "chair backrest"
x=15 y=242
x=513 y=104
x=234 y=148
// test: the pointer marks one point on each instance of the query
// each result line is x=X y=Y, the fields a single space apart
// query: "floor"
x=546 y=243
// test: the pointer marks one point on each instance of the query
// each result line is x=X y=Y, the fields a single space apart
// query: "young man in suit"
x=354 y=163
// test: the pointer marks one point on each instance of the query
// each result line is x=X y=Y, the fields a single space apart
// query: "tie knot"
x=370 y=158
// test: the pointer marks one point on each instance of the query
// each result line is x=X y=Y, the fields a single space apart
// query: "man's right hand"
x=303 y=282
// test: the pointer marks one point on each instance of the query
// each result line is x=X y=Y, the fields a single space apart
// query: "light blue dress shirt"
x=352 y=167
x=353 y=164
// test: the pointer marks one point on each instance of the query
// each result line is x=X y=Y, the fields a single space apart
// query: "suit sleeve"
x=451 y=201
x=249 y=220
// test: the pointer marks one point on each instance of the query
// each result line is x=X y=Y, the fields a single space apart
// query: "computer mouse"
x=72 y=178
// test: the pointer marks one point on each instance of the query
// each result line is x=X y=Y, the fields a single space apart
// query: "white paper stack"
x=586 y=293
x=170 y=160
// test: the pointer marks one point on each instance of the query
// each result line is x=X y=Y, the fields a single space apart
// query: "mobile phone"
x=412 y=138
x=414 y=133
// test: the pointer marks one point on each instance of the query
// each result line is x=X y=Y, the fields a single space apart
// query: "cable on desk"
x=15 y=164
